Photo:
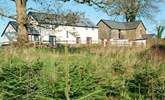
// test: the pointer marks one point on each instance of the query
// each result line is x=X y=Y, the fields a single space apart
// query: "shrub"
x=145 y=82
x=19 y=81
x=118 y=67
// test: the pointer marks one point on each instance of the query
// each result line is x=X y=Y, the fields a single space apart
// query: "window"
x=141 y=31
x=78 y=40
x=89 y=40
x=120 y=34
x=52 y=40
x=67 y=34
x=36 y=37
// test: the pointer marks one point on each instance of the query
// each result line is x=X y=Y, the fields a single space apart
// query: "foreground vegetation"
x=93 y=73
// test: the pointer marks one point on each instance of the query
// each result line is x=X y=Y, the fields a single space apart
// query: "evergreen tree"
x=19 y=81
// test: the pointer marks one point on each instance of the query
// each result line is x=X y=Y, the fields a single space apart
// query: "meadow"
x=82 y=73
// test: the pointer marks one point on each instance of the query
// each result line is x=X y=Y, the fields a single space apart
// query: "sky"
x=92 y=13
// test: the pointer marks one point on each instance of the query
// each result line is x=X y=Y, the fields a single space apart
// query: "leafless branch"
x=10 y=17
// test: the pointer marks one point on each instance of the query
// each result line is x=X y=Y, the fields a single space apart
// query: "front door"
x=52 y=40
x=78 y=40
x=89 y=40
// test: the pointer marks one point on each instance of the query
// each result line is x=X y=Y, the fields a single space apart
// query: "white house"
x=47 y=30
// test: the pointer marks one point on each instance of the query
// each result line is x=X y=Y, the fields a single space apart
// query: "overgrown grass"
x=94 y=73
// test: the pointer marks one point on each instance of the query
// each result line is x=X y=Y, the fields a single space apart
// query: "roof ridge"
x=40 y=12
x=120 y=21
x=122 y=25
x=50 y=18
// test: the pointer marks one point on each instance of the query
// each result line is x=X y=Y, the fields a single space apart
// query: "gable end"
x=104 y=23
x=3 y=33
x=5 y=29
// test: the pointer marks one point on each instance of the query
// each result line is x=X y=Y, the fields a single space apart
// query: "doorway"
x=89 y=40
x=52 y=40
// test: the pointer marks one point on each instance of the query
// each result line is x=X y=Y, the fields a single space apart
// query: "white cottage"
x=47 y=30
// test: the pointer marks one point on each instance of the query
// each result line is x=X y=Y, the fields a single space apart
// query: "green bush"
x=118 y=67
x=19 y=81
x=147 y=83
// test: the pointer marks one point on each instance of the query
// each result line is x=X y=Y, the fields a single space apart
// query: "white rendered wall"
x=61 y=34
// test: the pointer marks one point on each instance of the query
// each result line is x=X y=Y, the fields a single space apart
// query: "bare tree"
x=132 y=9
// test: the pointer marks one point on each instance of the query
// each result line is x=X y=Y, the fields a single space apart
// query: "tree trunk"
x=21 y=20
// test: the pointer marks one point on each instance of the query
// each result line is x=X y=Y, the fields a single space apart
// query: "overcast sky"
x=93 y=14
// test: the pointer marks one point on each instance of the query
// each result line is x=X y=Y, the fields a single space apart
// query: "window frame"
x=89 y=40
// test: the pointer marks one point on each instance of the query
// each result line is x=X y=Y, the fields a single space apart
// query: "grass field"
x=91 y=73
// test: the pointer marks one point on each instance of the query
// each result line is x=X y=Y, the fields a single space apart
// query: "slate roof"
x=43 y=18
x=122 y=25
x=54 y=19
